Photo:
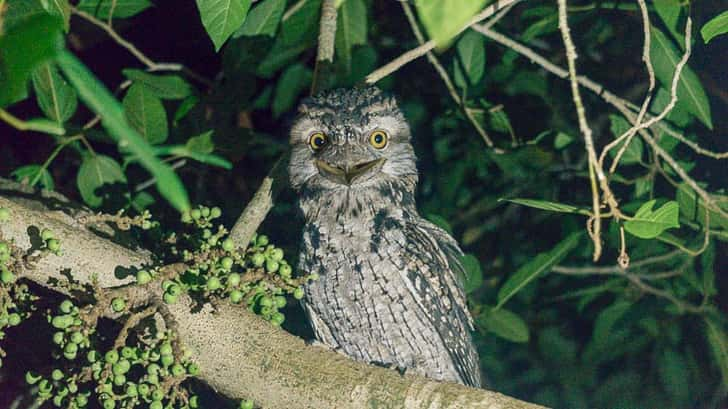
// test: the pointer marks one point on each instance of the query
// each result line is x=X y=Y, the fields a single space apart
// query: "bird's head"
x=350 y=138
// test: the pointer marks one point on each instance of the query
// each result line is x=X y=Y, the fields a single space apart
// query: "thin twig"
x=423 y=49
x=446 y=78
x=326 y=37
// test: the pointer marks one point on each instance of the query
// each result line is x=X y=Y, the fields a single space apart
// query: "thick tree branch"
x=239 y=354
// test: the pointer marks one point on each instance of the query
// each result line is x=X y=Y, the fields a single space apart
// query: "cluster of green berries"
x=61 y=390
x=71 y=336
x=202 y=216
x=50 y=241
x=6 y=276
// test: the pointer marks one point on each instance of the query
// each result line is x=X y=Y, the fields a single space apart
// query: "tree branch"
x=239 y=354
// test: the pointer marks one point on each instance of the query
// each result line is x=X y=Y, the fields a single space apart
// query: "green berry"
x=246 y=404
x=262 y=240
x=228 y=245
x=153 y=379
x=4 y=247
x=271 y=265
x=166 y=349
x=193 y=369
x=81 y=401
x=58 y=337
x=215 y=212
x=212 y=240
x=285 y=270
x=233 y=280
x=143 y=389
x=167 y=360
x=143 y=277
x=156 y=405
x=4 y=214
x=277 y=318
x=280 y=301
x=178 y=370
x=266 y=302
x=226 y=263
x=195 y=214
x=153 y=369
x=77 y=337
x=186 y=217
x=14 y=319
x=46 y=234
x=121 y=367
x=57 y=375
x=128 y=352
x=93 y=356
x=205 y=211
x=118 y=304
x=157 y=395
x=194 y=402
x=313 y=276
x=276 y=254
x=174 y=289
x=66 y=306
x=169 y=298
x=132 y=390
x=111 y=357
x=109 y=404
x=6 y=276
x=258 y=259
x=32 y=379
x=298 y=293
x=213 y=283
x=53 y=245
x=236 y=296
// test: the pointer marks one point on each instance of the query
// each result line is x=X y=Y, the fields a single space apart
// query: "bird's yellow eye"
x=378 y=139
x=318 y=140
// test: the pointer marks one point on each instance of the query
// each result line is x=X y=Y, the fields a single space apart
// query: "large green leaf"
x=716 y=26
x=95 y=172
x=607 y=319
x=162 y=86
x=351 y=29
x=262 y=19
x=690 y=92
x=504 y=323
x=56 y=98
x=443 y=19
x=121 y=8
x=474 y=273
x=293 y=81
x=146 y=114
x=550 y=206
x=669 y=12
x=470 y=59
x=692 y=207
x=221 y=18
x=540 y=265
x=648 y=224
x=23 y=48
x=100 y=100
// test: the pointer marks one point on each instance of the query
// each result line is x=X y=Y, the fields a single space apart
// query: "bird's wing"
x=431 y=275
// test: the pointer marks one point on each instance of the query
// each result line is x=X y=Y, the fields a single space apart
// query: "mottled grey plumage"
x=388 y=290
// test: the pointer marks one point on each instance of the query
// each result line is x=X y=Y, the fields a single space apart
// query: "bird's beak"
x=349 y=173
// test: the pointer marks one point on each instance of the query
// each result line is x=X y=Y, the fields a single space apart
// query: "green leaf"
x=351 y=29
x=693 y=208
x=690 y=92
x=23 y=48
x=562 y=140
x=221 y=18
x=162 y=86
x=471 y=56
x=540 y=265
x=146 y=114
x=99 y=99
x=443 y=19
x=606 y=320
x=293 y=81
x=504 y=323
x=648 y=224
x=95 y=172
x=474 y=278
x=669 y=12
x=707 y=264
x=633 y=153
x=185 y=152
x=718 y=341
x=32 y=174
x=56 y=98
x=673 y=371
x=716 y=26
x=121 y=8
x=263 y=19
x=550 y=206
x=201 y=143
x=59 y=8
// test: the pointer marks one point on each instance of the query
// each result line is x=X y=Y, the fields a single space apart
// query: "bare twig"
x=446 y=78
x=327 y=35
x=423 y=49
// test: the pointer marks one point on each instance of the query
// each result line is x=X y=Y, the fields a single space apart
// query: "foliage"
x=504 y=166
